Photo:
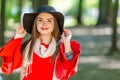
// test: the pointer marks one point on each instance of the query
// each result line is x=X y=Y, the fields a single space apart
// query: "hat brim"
x=29 y=18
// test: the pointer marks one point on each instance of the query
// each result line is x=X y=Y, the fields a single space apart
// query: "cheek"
x=38 y=28
x=52 y=28
x=39 y=25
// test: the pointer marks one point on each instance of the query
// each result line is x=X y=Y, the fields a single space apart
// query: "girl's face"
x=45 y=23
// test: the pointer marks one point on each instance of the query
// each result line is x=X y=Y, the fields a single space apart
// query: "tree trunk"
x=2 y=27
x=79 y=15
x=114 y=28
x=20 y=9
x=38 y=3
x=103 y=12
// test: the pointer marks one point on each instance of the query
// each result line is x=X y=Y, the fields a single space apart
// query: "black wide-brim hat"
x=28 y=18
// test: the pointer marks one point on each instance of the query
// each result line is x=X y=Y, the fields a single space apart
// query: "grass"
x=13 y=76
x=93 y=72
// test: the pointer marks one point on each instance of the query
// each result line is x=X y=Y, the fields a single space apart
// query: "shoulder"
x=76 y=43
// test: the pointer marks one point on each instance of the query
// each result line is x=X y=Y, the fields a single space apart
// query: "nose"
x=44 y=23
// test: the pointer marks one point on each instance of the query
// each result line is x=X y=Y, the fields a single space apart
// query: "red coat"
x=12 y=59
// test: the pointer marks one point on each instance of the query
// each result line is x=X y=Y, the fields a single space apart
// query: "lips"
x=44 y=28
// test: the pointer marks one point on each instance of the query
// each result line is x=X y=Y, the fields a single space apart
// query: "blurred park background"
x=94 y=23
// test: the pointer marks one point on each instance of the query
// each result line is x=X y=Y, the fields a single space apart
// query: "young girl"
x=48 y=54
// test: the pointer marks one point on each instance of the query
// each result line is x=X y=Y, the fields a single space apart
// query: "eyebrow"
x=41 y=18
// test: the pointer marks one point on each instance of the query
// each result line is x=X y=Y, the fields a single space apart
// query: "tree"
x=104 y=6
x=79 y=15
x=19 y=10
x=38 y=3
x=114 y=28
x=2 y=27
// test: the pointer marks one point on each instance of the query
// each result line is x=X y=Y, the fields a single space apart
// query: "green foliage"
x=118 y=20
x=12 y=10
x=70 y=21
x=92 y=3
x=73 y=10
x=69 y=9
x=89 y=20
x=85 y=5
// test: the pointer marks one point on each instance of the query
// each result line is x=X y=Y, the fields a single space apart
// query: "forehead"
x=45 y=15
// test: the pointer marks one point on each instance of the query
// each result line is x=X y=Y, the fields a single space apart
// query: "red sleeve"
x=65 y=68
x=11 y=55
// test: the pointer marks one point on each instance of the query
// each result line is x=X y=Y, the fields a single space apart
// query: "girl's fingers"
x=66 y=32
x=20 y=29
x=20 y=32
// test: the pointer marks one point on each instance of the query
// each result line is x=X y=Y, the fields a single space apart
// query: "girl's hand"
x=66 y=36
x=20 y=32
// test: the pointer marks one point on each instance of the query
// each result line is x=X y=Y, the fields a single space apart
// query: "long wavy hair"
x=35 y=34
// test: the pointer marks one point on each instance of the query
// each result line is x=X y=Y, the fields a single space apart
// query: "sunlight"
x=102 y=62
x=102 y=31
x=70 y=21
x=14 y=10
x=93 y=31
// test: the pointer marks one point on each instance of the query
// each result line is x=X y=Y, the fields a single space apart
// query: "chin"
x=45 y=33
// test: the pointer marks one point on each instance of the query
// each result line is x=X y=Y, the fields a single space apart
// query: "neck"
x=45 y=39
